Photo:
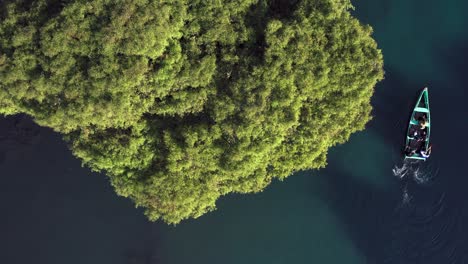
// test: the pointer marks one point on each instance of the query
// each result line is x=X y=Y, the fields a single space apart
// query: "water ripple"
x=426 y=227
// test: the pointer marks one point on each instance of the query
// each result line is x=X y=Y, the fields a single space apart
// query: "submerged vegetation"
x=181 y=102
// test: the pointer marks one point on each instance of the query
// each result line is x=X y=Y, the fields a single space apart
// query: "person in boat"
x=419 y=135
x=422 y=135
x=409 y=152
x=425 y=153
x=422 y=122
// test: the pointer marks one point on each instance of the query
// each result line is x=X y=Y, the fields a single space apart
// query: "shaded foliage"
x=181 y=102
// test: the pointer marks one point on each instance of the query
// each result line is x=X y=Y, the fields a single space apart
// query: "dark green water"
x=357 y=210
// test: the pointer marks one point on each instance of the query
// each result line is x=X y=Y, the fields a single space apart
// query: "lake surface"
x=367 y=206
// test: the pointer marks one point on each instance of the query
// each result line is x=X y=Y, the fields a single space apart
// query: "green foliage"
x=181 y=102
x=85 y=63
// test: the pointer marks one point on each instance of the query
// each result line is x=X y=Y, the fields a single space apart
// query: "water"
x=367 y=206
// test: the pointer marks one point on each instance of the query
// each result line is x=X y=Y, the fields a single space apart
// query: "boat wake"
x=400 y=172
x=422 y=175
x=406 y=196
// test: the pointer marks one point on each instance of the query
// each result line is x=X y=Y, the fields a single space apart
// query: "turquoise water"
x=360 y=209
x=357 y=210
x=294 y=221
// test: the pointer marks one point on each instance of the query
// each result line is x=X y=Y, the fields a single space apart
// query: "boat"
x=417 y=139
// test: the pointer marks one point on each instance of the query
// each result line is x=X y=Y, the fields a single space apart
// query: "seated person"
x=422 y=122
x=420 y=134
x=409 y=151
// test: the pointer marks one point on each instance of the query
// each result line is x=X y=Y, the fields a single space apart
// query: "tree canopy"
x=181 y=102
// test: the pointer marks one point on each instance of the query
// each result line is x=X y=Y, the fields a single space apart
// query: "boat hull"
x=413 y=139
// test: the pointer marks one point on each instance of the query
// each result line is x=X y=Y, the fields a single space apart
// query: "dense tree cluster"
x=180 y=101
